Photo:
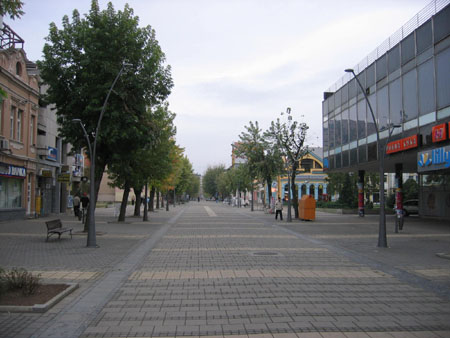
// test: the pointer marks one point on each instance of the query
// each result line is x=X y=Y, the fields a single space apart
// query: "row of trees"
x=267 y=153
x=136 y=142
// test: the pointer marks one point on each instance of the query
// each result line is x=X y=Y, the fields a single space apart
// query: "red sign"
x=402 y=144
x=439 y=133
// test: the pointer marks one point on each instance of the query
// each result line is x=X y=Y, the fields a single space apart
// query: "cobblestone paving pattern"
x=219 y=273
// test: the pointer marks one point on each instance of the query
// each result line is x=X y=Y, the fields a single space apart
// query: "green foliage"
x=349 y=192
x=81 y=61
x=11 y=7
x=410 y=189
x=18 y=279
x=210 y=180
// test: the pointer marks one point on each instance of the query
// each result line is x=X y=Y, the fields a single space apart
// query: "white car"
x=411 y=207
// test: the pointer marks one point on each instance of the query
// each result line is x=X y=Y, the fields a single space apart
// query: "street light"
x=91 y=237
x=382 y=240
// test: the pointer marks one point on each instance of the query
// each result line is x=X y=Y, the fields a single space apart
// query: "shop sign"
x=52 y=154
x=46 y=173
x=402 y=144
x=64 y=178
x=435 y=159
x=12 y=171
x=439 y=133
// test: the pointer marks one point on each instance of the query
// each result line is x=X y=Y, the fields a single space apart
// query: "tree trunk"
x=123 y=205
x=162 y=200
x=137 y=205
x=253 y=195
x=167 y=201
x=157 y=199
x=99 y=168
x=269 y=189
x=145 y=218
x=151 y=203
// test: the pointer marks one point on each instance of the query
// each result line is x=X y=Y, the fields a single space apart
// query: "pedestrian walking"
x=279 y=209
x=76 y=205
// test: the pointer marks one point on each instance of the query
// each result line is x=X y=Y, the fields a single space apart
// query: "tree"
x=289 y=138
x=264 y=160
x=410 y=189
x=79 y=68
x=210 y=180
x=11 y=7
x=349 y=191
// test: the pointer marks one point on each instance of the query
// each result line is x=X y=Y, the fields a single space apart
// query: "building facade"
x=407 y=82
x=18 y=135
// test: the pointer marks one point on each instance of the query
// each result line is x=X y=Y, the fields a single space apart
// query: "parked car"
x=410 y=207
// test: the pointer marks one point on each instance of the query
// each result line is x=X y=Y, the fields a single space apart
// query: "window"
x=382 y=108
x=362 y=119
x=345 y=93
x=338 y=98
x=443 y=78
x=362 y=154
x=331 y=133
x=441 y=24
x=370 y=76
x=1 y=117
x=394 y=59
x=381 y=67
x=362 y=79
x=19 y=69
x=11 y=122
x=19 y=125
x=32 y=123
x=352 y=88
x=371 y=129
x=426 y=87
x=372 y=151
x=408 y=50
x=411 y=109
x=10 y=193
x=337 y=131
x=424 y=38
x=325 y=136
x=353 y=156
x=353 y=123
x=345 y=134
x=345 y=159
x=395 y=101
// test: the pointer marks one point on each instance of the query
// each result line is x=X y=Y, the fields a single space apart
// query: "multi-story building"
x=18 y=129
x=407 y=82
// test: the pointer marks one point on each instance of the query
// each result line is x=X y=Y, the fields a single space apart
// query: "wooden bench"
x=55 y=227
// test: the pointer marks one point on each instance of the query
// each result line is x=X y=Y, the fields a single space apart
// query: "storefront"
x=12 y=191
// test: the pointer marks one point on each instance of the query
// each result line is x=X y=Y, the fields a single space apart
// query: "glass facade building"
x=407 y=82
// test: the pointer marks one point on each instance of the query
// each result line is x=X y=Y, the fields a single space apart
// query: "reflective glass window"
x=371 y=129
x=426 y=87
x=372 y=151
x=408 y=48
x=395 y=101
x=339 y=160
x=423 y=37
x=353 y=123
x=353 y=156
x=370 y=75
x=443 y=78
x=337 y=131
x=345 y=135
x=345 y=158
x=362 y=79
x=381 y=67
x=442 y=24
x=338 y=98
x=382 y=107
x=352 y=89
x=394 y=59
x=362 y=154
x=345 y=93
x=362 y=119
x=410 y=105
x=330 y=104
x=325 y=136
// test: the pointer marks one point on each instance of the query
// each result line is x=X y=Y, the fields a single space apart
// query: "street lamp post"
x=91 y=237
x=382 y=239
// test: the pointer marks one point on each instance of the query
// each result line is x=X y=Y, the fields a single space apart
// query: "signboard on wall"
x=8 y=170
x=433 y=159
x=402 y=144
x=439 y=132
x=52 y=154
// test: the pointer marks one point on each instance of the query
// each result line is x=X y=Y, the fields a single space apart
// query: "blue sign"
x=52 y=154
x=434 y=159
x=325 y=163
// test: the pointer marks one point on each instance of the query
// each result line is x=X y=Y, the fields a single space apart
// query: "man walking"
x=76 y=206
x=279 y=209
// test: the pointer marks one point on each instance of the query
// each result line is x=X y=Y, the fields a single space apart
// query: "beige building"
x=18 y=132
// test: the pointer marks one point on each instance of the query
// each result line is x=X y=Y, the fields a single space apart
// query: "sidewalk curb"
x=41 y=307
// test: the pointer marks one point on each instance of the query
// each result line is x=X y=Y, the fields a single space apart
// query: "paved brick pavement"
x=207 y=269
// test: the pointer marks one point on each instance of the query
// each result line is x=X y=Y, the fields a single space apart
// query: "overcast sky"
x=235 y=61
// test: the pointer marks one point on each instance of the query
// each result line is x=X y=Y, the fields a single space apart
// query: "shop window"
x=410 y=105
x=443 y=78
x=10 y=193
x=426 y=87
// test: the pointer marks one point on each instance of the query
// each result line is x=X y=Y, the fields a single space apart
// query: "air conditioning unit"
x=4 y=144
